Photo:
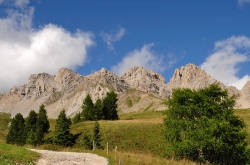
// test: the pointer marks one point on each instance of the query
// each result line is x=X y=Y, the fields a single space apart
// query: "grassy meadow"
x=138 y=136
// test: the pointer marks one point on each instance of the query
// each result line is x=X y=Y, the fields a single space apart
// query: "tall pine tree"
x=42 y=124
x=98 y=114
x=97 y=135
x=30 y=125
x=88 y=108
x=17 y=134
x=110 y=106
x=62 y=134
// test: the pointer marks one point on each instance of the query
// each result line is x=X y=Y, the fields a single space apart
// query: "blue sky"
x=43 y=36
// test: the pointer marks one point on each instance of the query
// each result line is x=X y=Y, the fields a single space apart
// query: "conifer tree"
x=97 y=137
x=76 y=118
x=110 y=106
x=88 y=108
x=42 y=124
x=86 y=141
x=62 y=134
x=30 y=125
x=98 y=107
x=17 y=134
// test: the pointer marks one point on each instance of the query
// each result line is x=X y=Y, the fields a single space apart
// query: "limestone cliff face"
x=66 y=90
x=143 y=88
x=147 y=81
x=191 y=76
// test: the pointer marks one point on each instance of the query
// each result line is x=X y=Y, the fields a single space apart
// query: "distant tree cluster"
x=201 y=126
x=32 y=129
x=105 y=109
x=29 y=131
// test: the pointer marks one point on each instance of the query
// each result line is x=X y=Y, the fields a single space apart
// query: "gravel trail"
x=69 y=158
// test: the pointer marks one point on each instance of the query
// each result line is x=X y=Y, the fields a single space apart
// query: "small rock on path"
x=69 y=158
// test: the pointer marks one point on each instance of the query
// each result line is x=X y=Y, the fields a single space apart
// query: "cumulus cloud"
x=223 y=63
x=25 y=50
x=242 y=2
x=109 y=39
x=144 y=57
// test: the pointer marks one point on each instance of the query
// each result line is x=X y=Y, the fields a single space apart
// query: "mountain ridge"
x=67 y=90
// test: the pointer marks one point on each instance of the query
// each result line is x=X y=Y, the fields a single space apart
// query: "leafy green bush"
x=201 y=126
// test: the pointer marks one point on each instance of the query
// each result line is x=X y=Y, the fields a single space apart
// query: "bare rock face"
x=66 y=79
x=246 y=90
x=66 y=90
x=191 y=76
x=246 y=93
x=138 y=89
x=147 y=81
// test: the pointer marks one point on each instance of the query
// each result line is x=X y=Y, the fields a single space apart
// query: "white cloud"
x=242 y=2
x=25 y=50
x=21 y=3
x=222 y=64
x=144 y=57
x=109 y=39
x=172 y=59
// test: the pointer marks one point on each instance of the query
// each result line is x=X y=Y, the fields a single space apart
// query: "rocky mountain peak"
x=191 y=76
x=138 y=72
x=66 y=78
x=67 y=89
x=147 y=81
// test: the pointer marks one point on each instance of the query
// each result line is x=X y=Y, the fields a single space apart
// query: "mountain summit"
x=145 y=89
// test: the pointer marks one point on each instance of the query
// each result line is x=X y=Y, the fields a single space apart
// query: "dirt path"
x=69 y=158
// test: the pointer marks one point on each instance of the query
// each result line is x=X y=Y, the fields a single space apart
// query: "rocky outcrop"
x=138 y=89
x=147 y=81
x=246 y=90
x=65 y=90
x=191 y=76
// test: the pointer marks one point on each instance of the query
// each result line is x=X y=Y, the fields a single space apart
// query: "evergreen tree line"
x=32 y=130
x=29 y=131
x=105 y=109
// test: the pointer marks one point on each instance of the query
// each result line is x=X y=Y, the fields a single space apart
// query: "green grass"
x=138 y=136
x=128 y=136
x=10 y=154
x=245 y=115
x=142 y=115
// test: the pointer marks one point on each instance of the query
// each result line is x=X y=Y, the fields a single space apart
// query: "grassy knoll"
x=138 y=136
